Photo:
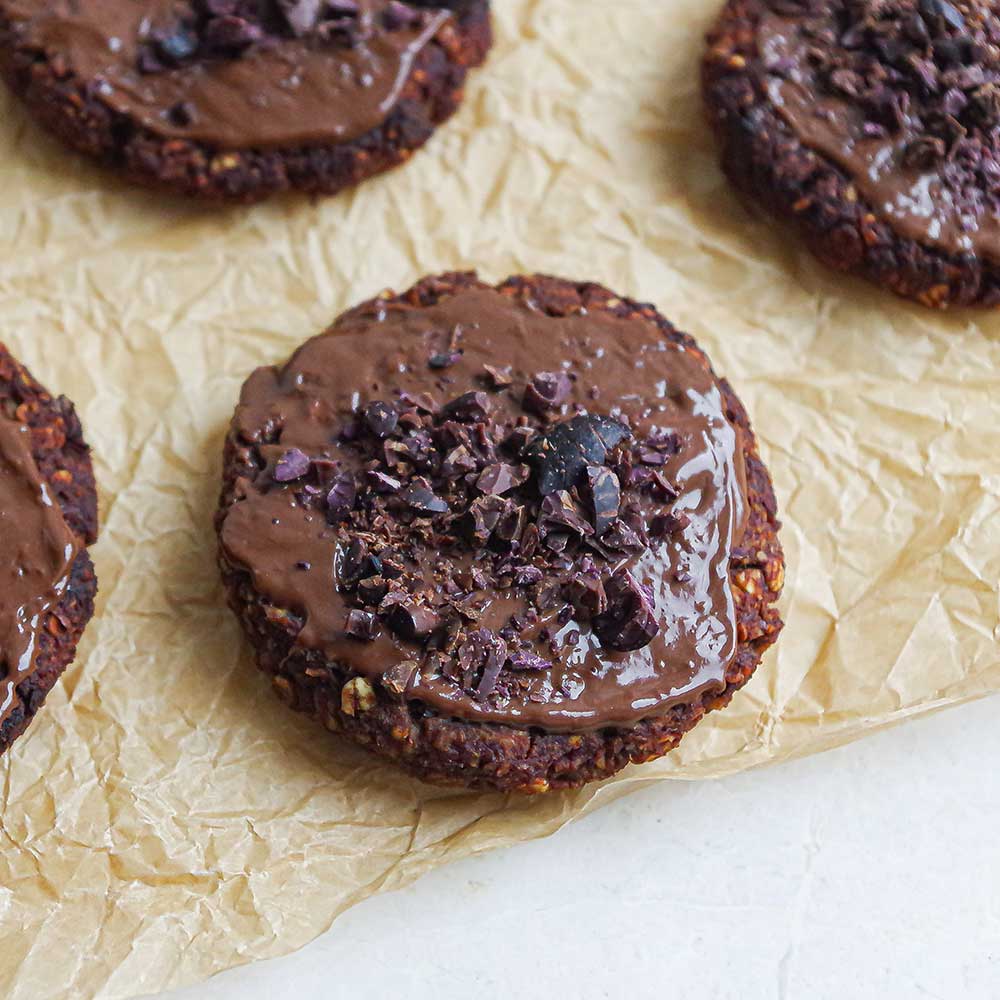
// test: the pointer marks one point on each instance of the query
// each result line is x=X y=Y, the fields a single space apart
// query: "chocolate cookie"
x=510 y=537
x=875 y=126
x=48 y=515
x=239 y=99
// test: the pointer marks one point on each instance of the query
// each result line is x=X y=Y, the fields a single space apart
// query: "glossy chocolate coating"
x=620 y=368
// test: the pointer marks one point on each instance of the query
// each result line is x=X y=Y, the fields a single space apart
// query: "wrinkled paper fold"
x=166 y=817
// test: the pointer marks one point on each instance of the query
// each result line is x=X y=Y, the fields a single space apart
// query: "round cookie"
x=874 y=125
x=509 y=537
x=236 y=100
x=48 y=515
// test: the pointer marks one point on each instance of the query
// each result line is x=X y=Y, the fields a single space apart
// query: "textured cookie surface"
x=48 y=515
x=875 y=126
x=511 y=537
x=238 y=99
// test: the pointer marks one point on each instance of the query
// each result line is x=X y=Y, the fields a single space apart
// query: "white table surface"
x=870 y=871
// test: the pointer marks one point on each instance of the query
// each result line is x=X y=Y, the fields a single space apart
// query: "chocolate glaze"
x=374 y=351
x=290 y=92
x=35 y=558
x=915 y=202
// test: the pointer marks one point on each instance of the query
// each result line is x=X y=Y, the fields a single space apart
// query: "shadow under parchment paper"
x=165 y=817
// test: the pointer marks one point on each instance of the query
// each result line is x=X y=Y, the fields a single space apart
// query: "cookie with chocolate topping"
x=521 y=569
x=236 y=100
x=48 y=515
x=874 y=126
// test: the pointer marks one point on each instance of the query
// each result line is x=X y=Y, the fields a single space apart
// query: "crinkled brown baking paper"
x=165 y=817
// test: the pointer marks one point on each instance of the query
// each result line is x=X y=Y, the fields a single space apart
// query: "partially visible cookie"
x=874 y=126
x=48 y=516
x=509 y=537
x=238 y=99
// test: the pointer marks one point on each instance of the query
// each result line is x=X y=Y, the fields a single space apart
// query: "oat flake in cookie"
x=510 y=537
x=875 y=126
x=238 y=99
x=48 y=515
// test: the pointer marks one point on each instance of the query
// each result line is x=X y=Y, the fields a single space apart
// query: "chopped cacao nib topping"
x=225 y=29
x=372 y=590
x=922 y=73
x=437 y=506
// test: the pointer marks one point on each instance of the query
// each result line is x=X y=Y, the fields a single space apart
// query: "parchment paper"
x=165 y=817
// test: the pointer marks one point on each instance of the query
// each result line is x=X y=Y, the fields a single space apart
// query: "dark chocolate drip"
x=622 y=370
x=284 y=90
x=36 y=554
x=877 y=99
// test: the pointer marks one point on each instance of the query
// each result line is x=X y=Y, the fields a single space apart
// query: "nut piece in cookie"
x=519 y=569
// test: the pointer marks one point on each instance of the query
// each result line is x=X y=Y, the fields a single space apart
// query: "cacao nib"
x=399 y=15
x=341 y=497
x=483 y=653
x=397 y=678
x=349 y=564
x=361 y=625
x=559 y=512
x=932 y=9
x=301 y=15
x=470 y=406
x=630 y=619
x=384 y=483
x=380 y=418
x=293 y=464
x=501 y=478
x=372 y=589
x=526 y=660
x=560 y=456
x=482 y=517
x=546 y=391
x=422 y=501
x=444 y=360
x=411 y=620
x=605 y=496
x=178 y=45
x=228 y=35
x=497 y=378
x=664 y=525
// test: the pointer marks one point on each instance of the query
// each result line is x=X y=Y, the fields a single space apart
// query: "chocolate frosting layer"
x=35 y=558
x=892 y=94
x=626 y=371
x=285 y=89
